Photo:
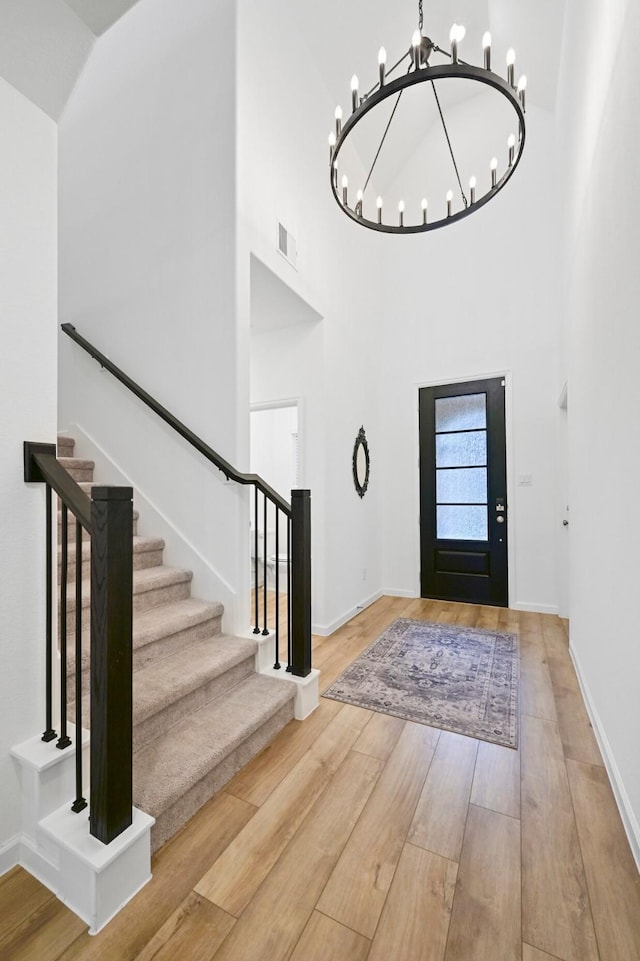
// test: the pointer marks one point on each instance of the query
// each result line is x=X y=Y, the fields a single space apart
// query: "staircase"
x=200 y=711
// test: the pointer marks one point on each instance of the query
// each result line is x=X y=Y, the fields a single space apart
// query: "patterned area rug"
x=461 y=679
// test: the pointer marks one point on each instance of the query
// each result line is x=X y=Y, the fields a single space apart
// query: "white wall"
x=285 y=114
x=147 y=267
x=27 y=412
x=603 y=338
x=473 y=299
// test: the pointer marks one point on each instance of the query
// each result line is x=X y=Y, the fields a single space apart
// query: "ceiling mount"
x=418 y=215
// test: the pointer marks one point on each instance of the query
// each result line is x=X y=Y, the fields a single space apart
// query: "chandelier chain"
x=446 y=133
x=420 y=16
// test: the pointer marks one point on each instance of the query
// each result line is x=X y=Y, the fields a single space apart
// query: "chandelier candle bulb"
x=332 y=143
x=416 y=41
x=424 y=210
x=354 y=92
x=449 y=200
x=345 y=186
x=453 y=37
x=401 y=212
x=338 y=121
x=472 y=188
x=382 y=64
x=522 y=88
x=379 y=206
x=511 y=68
x=494 y=171
x=512 y=148
x=486 y=46
x=359 y=197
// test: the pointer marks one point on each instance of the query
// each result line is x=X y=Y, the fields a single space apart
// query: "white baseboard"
x=534 y=607
x=629 y=820
x=9 y=854
x=395 y=592
x=324 y=630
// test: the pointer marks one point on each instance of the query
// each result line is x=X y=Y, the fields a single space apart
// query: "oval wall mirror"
x=361 y=463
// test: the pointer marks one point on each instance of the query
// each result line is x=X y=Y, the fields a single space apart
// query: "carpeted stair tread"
x=151 y=625
x=76 y=463
x=165 y=769
x=145 y=580
x=158 y=623
x=170 y=678
x=140 y=546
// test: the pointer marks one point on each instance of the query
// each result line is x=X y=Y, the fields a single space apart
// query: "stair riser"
x=72 y=531
x=171 y=820
x=82 y=475
x=163 y=595
x=141 y=602
x=141 y=561
x=152 y=727
x=163 y=647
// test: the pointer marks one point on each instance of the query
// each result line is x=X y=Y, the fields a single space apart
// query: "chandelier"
x=421 y=214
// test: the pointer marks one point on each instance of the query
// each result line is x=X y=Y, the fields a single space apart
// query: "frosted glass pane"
x=462 y=486
x=466 y=412
x=462 y=523
x=461 y=450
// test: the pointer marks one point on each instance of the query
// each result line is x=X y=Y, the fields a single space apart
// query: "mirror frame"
x=361 y=442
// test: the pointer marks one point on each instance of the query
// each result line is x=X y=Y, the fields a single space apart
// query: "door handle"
x=565 y=523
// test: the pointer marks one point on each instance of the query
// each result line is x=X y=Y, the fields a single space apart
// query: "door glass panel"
x=461 y=486
x=462 y=523
x=461 y=450
x=466 y=412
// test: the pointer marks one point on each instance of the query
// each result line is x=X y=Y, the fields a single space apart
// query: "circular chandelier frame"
x=422 y=74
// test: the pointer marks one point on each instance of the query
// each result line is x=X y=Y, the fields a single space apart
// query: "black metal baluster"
x=289 y=594
x=265 y=629
x=80 y=802
x=49 y=733
x=64 y=740
x=277 y=664
x=256 y=629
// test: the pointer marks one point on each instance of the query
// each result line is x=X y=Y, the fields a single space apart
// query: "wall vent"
x=287 y=246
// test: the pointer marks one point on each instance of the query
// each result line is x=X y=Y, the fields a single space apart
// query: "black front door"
x=463 y=493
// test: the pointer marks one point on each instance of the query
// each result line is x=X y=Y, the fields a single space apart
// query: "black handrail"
x=60 y=480
x=230 y=472
x=298 y=514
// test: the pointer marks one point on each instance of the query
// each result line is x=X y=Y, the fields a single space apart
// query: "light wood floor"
x=359 y=837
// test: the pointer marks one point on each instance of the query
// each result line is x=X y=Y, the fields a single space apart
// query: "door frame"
x=507 y=376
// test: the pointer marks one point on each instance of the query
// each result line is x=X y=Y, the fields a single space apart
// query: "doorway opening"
x=274 y=454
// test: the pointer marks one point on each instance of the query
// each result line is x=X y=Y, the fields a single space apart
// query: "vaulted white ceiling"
x=44 y=43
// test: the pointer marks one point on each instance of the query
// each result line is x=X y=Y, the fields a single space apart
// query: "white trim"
x=535 y=607
x=411 y=595
x=9 y=854
x=507 y=376
x=325 y=630
x=629 y=820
